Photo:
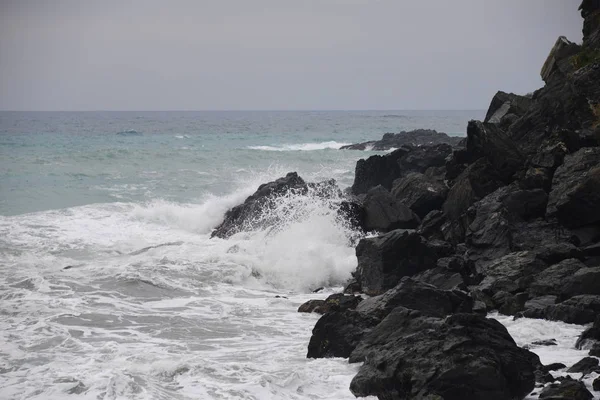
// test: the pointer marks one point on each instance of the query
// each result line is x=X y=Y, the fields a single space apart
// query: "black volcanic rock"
x=490 y=142
x=243 y=216
x=384 y=213
x=335 y=302
x=417 y=137
x=337 y=333
x=575 y=195
x=415 y=295
x=385 y=169
x=384 y=260
x=505 y=108
x=420 y=192
x=464 y=356
x=567 y=389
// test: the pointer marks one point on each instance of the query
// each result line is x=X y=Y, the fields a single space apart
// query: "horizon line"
x=259 y=110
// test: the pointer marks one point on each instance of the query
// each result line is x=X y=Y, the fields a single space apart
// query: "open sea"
x=110 y=287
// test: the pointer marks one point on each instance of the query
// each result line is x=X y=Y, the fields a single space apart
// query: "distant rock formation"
x=418 y=137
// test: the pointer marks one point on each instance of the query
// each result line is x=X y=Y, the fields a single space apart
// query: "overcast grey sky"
x=274 y=54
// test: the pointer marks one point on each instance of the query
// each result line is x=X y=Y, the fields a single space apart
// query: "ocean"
x=110 y=286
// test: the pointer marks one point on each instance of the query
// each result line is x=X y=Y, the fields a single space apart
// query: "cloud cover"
x=274 y=54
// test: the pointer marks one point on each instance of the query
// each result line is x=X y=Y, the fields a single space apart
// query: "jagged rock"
x=585 y=366
x=418 y=137
x=567 y=389
x=537 y=178
x=421 y=193
x=576 y=310
x=591 y=24
x=575 y=195
x=557 y=61
x=510 y=273
x=590 y=336
x=474 y=183
x=416 y=295
x=335 y=302
x=508 y=304
x=551 y=281
x=583 y=281
x=383 y=170
x=464 y=356
x=536 y=307
x=596 y=384
x=241 y=217
x=337 y=333
x=384 y=260
x=442 y=278
x=553 y=253
x=505 y=106
x=431 y=225
x=489 y=141
x=383 y=213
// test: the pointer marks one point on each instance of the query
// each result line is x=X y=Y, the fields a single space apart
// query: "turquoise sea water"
x=57 y=160
x=110 y=286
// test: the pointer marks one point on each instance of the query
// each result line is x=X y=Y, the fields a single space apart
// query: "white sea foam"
x=525 y=331
x=301 y=146
x=150 y=307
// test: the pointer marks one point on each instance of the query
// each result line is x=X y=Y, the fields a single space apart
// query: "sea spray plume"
x=296 y=237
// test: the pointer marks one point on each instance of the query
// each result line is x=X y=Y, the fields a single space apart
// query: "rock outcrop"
x=418 y=137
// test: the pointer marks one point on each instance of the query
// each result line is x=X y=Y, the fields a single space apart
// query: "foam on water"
x=301 y=146
x=135 y=301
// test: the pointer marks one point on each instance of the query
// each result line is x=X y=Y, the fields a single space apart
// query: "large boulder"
x=417 y=137
x=384 y=260
x=420 y=192
x=581 y=309
x=575 y=195
x=558 y=61
x=511 y=273
x=473 y=184
x=497 y=218
x=551 y=281
x=489 y=141
x=420 y=296
x=384 y=213
x=385 y=169
x=251 y=213
x=464 y=356
x=337 y=333
x=567 y=389
x=506 y=107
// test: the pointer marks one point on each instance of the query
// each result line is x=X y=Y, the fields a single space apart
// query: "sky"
x=71 y=55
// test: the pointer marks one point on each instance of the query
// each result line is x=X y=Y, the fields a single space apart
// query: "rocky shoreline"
x=507 y=220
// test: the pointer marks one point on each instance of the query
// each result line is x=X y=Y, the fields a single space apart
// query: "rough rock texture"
x=464 y=356
x=418 y=137
x=384 y=169
x=489 y=141
x=567 y=389
x=420 y=193
x=335 y=302
x=337 y=333
x=505 y=108
x=585 y=366
x=384 y=260
x=575 y=195
x=384 y=213
x=416 y=295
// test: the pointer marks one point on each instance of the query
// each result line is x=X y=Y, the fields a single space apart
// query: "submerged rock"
x=567 y=389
